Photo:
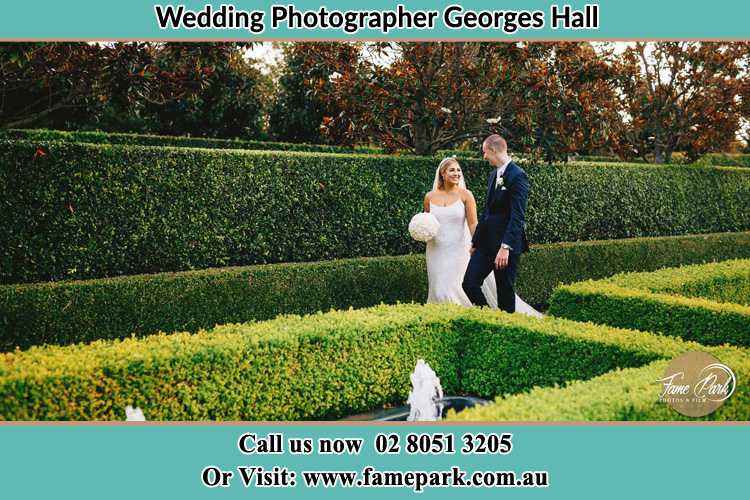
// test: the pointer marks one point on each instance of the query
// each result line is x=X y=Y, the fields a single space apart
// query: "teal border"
x=136 y=19
x=130 y=461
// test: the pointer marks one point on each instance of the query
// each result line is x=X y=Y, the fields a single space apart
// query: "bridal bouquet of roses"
x=423 y=227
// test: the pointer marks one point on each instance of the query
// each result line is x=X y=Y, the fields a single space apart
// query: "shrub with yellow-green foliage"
x=706 y=303
x=621 y=394
x=82 y=311
x=727 y=281
x=334 y=364
x=291 y=368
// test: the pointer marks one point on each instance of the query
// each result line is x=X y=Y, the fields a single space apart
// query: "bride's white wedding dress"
x=447 y=257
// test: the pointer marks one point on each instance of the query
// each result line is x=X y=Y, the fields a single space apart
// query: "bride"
x=448 y=253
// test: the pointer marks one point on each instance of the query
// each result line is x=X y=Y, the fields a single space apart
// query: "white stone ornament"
x=426 y=396
x=134 y=414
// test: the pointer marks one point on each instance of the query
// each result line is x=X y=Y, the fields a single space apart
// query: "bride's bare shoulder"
x=467 y=195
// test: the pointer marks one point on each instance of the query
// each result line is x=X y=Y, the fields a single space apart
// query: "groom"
x=499 y=237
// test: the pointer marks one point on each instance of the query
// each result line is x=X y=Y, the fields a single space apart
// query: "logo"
x=696 y=384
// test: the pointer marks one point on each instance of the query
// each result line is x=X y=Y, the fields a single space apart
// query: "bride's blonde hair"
x=443 y=167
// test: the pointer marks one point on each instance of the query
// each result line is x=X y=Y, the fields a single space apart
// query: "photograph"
x=322 y=250
x=375 y=231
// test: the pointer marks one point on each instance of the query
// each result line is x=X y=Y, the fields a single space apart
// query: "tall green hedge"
x=331 y=365
x=83 y=211
x=96 y=137
x=678 y=302
x=83 y=311
x=79 y=311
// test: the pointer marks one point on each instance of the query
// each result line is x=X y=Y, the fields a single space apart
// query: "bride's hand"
x=472 y=250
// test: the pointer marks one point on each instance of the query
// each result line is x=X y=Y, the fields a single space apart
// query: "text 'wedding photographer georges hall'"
x=455 y=17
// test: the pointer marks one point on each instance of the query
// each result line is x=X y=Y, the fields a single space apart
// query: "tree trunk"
x=659 y=150
x=421 y=139
x=658 y=154
x=668 y=155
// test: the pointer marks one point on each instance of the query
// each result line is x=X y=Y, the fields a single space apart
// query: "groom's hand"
x=502 y=258
x=472 y=249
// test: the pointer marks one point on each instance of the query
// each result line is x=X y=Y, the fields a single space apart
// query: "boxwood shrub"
x=679 y=302
x=85 y=211
x=730 y=160
x=80 y=311
x=327 y=365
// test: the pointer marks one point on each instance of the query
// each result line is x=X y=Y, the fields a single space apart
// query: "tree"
x=229 y=104
x=557 y=98
x=745 y=98
x=567 y=98
x=305 y=81
x=680 y=95
x=431 y=96
x=37 y=80
x=43 y=82
x=745 y=126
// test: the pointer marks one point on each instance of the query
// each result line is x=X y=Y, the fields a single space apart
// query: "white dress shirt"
x=501 y=171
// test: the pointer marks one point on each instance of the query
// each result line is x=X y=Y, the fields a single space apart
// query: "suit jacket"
x=502 y=220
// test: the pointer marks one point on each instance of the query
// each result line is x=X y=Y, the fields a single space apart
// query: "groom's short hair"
x=497 y=143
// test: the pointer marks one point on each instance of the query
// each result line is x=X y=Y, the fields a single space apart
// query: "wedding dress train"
x=447 y=257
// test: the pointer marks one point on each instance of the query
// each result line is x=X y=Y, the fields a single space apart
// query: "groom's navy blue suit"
x=502 y=222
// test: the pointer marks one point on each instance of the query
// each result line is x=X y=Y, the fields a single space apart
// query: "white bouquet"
x=423 y=227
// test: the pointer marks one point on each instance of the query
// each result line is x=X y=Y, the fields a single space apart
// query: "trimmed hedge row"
x=97 y=137
x=655 y=302
x=622 y=394
x=322 y=366
x=601 y=158
x=729 y=160
x=85 y=211
x=627 y=392
x=727 y=281
x=676 y=159
x=547 y=266
x=288 y=369
x=81 y=311
x=530 y=353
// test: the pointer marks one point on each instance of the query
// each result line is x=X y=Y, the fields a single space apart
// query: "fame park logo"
x=696 y=384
